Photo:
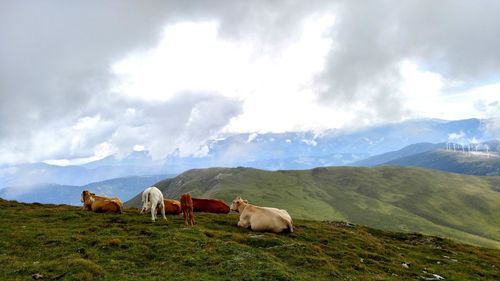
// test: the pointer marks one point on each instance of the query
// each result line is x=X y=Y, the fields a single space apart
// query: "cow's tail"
x=120 y=206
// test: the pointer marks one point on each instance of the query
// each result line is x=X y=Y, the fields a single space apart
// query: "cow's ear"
x=246 y=201
x=237 y=198
x=92 y=194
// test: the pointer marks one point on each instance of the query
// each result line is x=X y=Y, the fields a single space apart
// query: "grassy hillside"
x=449 y=161
x=464 y=208
x=65 y=243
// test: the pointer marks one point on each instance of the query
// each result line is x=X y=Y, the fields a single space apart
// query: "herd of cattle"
x=253 y=217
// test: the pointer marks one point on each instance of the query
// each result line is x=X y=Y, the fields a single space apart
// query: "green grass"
x=464 y=208
x=65 y=243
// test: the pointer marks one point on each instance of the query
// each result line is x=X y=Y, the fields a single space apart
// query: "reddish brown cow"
x=172 y=207
x=187 y=208
x=210 y=206
x=100 y=205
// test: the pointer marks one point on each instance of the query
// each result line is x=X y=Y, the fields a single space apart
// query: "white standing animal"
x=261 y=218
x=151 y=199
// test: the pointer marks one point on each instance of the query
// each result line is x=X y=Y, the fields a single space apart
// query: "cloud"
x=55 y=73
x=184 y=123
x=458 y=40
x=60 y=94
x=56 y=62
x=492 y=127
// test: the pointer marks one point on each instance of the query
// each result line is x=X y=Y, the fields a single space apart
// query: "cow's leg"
x=191 y=217
x=243 y=223
x=153 y=214
x=163 y=209
x=185 y=214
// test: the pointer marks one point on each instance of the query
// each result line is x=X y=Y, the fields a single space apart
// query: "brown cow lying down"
x=261 y=218
x=210 y=206
x=172 y=207
x=86 y=206
x=100 y=205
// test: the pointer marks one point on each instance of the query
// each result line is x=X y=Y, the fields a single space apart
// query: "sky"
x=80 y=80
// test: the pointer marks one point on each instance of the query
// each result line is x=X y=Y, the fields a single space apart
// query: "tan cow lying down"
x=99 y=205
x=87 y=206
x=261 y=218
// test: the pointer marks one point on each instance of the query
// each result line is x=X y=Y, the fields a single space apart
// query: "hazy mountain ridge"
x=270 y=151
x=480 y=159
x=394 y=198
x=389 y=156
x=450 y=161
x=135 y=164
x=124 y=188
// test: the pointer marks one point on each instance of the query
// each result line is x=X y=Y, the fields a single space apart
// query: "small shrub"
x=114 y=242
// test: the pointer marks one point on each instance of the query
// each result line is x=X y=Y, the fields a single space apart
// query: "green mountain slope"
x=450 y=161
x=465 y=208
x=62 y=242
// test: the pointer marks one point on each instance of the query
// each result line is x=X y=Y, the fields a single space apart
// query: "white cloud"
x=169 y=78
x=429 y=94
x=275 y=90
x=189 y=57
x=87 y=123
x=251 y=137
x=138 y=147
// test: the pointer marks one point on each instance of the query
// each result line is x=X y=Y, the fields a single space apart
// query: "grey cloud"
x=186 y=122
x=458 y=39
x=55 y=58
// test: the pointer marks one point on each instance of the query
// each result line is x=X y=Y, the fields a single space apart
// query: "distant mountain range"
x=303 y=150
x=135 y=164
x=456 y=162
x=425 y=155
x=462 y=207
x=124 y=188
x=435 y=156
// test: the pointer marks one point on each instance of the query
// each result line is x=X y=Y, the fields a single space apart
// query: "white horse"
x=151 y=199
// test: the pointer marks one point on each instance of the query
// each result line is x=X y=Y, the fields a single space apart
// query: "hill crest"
x=462 y=207
x=65 y=242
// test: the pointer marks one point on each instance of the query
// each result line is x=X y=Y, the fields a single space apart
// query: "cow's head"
x=85 y=196
x=146 y=205
x=238 y=204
